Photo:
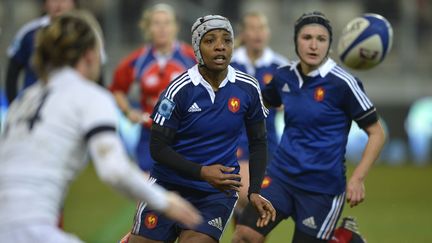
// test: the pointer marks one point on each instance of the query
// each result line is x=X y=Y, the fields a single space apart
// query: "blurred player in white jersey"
x=49 y=129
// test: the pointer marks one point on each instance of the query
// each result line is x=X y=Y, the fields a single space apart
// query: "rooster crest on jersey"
x=205 y=24
x=234 y=104
x=151 y=220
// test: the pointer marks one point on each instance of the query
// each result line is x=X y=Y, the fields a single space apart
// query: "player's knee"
x=244 y=234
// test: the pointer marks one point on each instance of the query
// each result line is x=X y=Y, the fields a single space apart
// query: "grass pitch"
x=397 y=209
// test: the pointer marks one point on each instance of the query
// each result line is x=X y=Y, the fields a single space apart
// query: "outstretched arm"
x=114 y=168
x=355 y=186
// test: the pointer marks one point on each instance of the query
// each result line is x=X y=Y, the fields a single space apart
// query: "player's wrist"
x=203 y=172
x=358 y=175
x=251 y=194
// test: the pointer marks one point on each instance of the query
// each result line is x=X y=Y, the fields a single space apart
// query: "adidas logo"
x=286 y=88
x=194 y=108
x=310 y=222
x=216 y=222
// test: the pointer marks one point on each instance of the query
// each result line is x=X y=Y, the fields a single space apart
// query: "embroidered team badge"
x=151 y=220
x=239 y=153
x=166 y=108
x=266 y=182
x=267 y=78
x=234 y=104
x=319 y=94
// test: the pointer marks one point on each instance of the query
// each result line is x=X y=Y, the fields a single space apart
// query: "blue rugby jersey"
x=319 y=108
x=208 y=123
x=263 y=70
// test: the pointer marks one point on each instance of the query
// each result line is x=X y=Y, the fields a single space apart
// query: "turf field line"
x=115 y=226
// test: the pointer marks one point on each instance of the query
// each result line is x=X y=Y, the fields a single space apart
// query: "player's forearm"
x=160 y=140
x=122 y=101
x=376 y=140
x=114 y=168
x=257 y=136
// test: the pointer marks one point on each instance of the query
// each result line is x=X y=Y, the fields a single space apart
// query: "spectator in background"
x=151 y=68
x=50 y=129
x=418 y=126
x=21 y=49
x=306 y=178
x=255 y=58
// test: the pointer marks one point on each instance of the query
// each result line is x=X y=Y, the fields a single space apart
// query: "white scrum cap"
x=205 y=24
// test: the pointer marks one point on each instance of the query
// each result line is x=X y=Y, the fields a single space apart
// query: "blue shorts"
x=315 y=214
x=215 y=208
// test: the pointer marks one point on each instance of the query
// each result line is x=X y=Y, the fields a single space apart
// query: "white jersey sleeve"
x=113 y=167
x=99 y=115
x=98 y=121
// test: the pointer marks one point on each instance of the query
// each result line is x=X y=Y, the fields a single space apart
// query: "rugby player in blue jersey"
x=306 y=178
x=197 y=123
x=21 y=49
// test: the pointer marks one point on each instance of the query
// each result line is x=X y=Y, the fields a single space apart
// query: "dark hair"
x=63 y=42
x=314 y=17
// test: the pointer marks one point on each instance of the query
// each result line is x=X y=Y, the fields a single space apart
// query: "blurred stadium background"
x=399 y=203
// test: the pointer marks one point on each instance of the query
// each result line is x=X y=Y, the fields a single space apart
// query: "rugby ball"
x=365 y=41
